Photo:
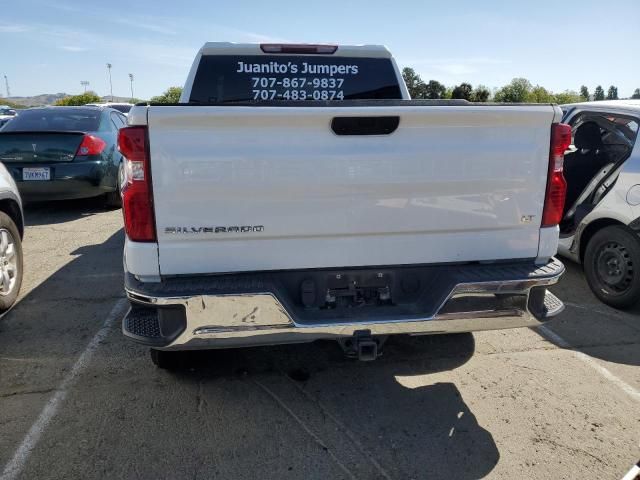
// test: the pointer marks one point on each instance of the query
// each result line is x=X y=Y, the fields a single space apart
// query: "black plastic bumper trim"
x=154 y=326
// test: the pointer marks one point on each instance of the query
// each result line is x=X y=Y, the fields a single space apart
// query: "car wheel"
x=612 y=266
x=165 y=360
x=114 y=199
x=10 y=262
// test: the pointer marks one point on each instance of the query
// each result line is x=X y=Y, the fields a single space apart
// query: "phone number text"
x=298 y=95
x=297 y=82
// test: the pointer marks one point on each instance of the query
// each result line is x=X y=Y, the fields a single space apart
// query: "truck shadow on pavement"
x=391 y=410
x=307 y=410
x=590 y=326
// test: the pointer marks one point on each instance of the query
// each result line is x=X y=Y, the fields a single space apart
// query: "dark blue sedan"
x=60 y=153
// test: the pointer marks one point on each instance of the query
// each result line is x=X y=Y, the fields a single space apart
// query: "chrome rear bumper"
x=482 y=298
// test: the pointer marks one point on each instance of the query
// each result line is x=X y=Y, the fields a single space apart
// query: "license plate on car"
x=43 y=173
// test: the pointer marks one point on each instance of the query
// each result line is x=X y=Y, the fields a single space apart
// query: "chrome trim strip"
x=388 y=326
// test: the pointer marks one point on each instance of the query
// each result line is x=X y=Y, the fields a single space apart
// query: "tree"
x=598 y=93
x=636 y=94
x=612 y=94
x=481 y=94
x=434 y=90
x=414 y=83
x=170 y=95
x=464 y=91
x=516 y=92
x=82 y=99
x=568 y=96
x=584 y=93
x=540 y=94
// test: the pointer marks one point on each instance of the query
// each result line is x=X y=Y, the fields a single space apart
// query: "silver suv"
x=601 y=219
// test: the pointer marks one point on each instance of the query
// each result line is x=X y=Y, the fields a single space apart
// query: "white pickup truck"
x=296 y=193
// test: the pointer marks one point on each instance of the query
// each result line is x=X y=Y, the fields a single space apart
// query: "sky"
x=50 y=46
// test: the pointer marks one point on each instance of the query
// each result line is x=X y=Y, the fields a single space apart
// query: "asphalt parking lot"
x=78 y=401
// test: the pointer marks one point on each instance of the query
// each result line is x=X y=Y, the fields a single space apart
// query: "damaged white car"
x=601 y=219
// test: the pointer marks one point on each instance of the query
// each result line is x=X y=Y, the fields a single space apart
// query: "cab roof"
x=608 y=104
x=230 y=48
x=107 y=104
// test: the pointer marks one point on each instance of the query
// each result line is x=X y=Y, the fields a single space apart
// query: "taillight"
x=91 y=145
x=137 y=200
x=556 y=184
x=302 y=48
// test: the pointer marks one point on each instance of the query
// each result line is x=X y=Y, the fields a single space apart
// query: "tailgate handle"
x=364 y=125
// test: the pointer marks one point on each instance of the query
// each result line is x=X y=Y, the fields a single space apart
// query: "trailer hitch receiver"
x=363 y=346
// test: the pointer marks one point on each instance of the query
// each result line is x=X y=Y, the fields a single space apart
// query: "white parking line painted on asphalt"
x=352 y=436
x=15 y=466
x=561 y=342
x=591 y=308
x=633 y=473
x=306 y=428
x=610 y=313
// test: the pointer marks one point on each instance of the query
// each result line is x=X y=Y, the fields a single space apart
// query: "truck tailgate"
x=240 y=188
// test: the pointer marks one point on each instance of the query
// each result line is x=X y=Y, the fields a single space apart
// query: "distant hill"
x=51 y=98
x=37 y=100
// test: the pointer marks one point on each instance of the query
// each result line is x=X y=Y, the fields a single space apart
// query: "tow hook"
x=363 y=346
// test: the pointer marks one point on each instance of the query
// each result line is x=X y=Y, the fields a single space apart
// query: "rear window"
x=259 y=78
x=54 y=119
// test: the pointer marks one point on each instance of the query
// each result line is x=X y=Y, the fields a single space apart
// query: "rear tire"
x=114 y=199
x=165 y=360
x=11 y=266
x=612 y=266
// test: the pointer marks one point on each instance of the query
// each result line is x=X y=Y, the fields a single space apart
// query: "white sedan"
x=11 y=232
x=6 y=114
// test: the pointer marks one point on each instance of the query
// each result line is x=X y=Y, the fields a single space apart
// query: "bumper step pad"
x=143 y=324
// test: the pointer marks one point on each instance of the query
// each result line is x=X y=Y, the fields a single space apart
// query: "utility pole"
x=85 y=84
x=6 y=84
x=131 y=81
x=110 y=84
